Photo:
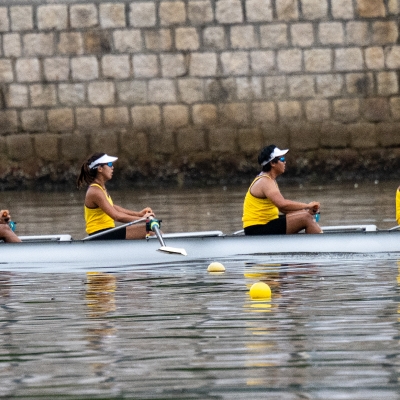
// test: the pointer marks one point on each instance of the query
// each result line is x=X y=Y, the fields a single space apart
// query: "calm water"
x=330 y=331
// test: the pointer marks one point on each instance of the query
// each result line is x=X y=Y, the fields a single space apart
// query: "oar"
x=96 y=235
x=154 y=225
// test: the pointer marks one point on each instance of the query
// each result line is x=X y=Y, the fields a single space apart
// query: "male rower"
x=6 y=233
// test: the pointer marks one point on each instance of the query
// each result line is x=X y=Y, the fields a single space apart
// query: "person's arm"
x=95 y=197
x=134 y=213
x=273 y=193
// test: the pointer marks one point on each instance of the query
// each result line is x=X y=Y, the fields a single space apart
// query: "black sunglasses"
x=282 y=159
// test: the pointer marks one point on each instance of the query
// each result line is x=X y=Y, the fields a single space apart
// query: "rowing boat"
x=44 y=252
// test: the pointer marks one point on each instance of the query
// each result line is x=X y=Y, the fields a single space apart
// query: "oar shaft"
x=153 y=224
x=156 y=230
x=115 y=229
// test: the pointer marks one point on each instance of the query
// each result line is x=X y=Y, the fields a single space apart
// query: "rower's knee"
x=308 y=218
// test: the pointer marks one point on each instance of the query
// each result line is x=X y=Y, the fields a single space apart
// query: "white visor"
x=102 y=160
x=276 y=153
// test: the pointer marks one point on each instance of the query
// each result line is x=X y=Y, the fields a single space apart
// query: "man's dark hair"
x=265 y=154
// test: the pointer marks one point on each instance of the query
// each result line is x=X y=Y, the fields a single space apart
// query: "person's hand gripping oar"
x=6 y=219
x=153 y=225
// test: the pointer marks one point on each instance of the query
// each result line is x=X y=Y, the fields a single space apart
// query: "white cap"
x=276 y=153
x=102 y=160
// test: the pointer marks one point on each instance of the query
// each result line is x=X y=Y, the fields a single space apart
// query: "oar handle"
x=151 y=223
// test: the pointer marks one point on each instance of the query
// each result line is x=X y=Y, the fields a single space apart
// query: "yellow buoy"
x=260 y=290
x=216 y=267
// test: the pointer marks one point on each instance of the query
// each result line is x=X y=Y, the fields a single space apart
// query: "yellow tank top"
x=258 y=211
x=96 y=219
x=398 y=206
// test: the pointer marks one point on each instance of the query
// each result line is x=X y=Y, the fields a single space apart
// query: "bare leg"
x=8 y=235
x=135 y=232
x=299 y=220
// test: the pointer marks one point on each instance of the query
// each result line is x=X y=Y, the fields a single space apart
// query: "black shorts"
x=274 y=227
x=118 y=234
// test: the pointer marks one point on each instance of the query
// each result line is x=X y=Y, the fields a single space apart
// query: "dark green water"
x=330 y=330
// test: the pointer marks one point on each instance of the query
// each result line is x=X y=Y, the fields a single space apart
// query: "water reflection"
x=398 y=289
x=5 y=286
x=100 y=293
x=267 y=351
x=259 y=345
x=259 y=349
x=100 y=300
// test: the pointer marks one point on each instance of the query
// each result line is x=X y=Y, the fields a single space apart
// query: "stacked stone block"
x=196 y=76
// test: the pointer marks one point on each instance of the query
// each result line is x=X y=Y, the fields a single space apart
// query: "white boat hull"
x=59 y=256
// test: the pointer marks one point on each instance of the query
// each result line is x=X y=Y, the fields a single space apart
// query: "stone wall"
x=192 y=89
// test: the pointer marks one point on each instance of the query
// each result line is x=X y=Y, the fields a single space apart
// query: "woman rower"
x=264 y=201
x=100 y=211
